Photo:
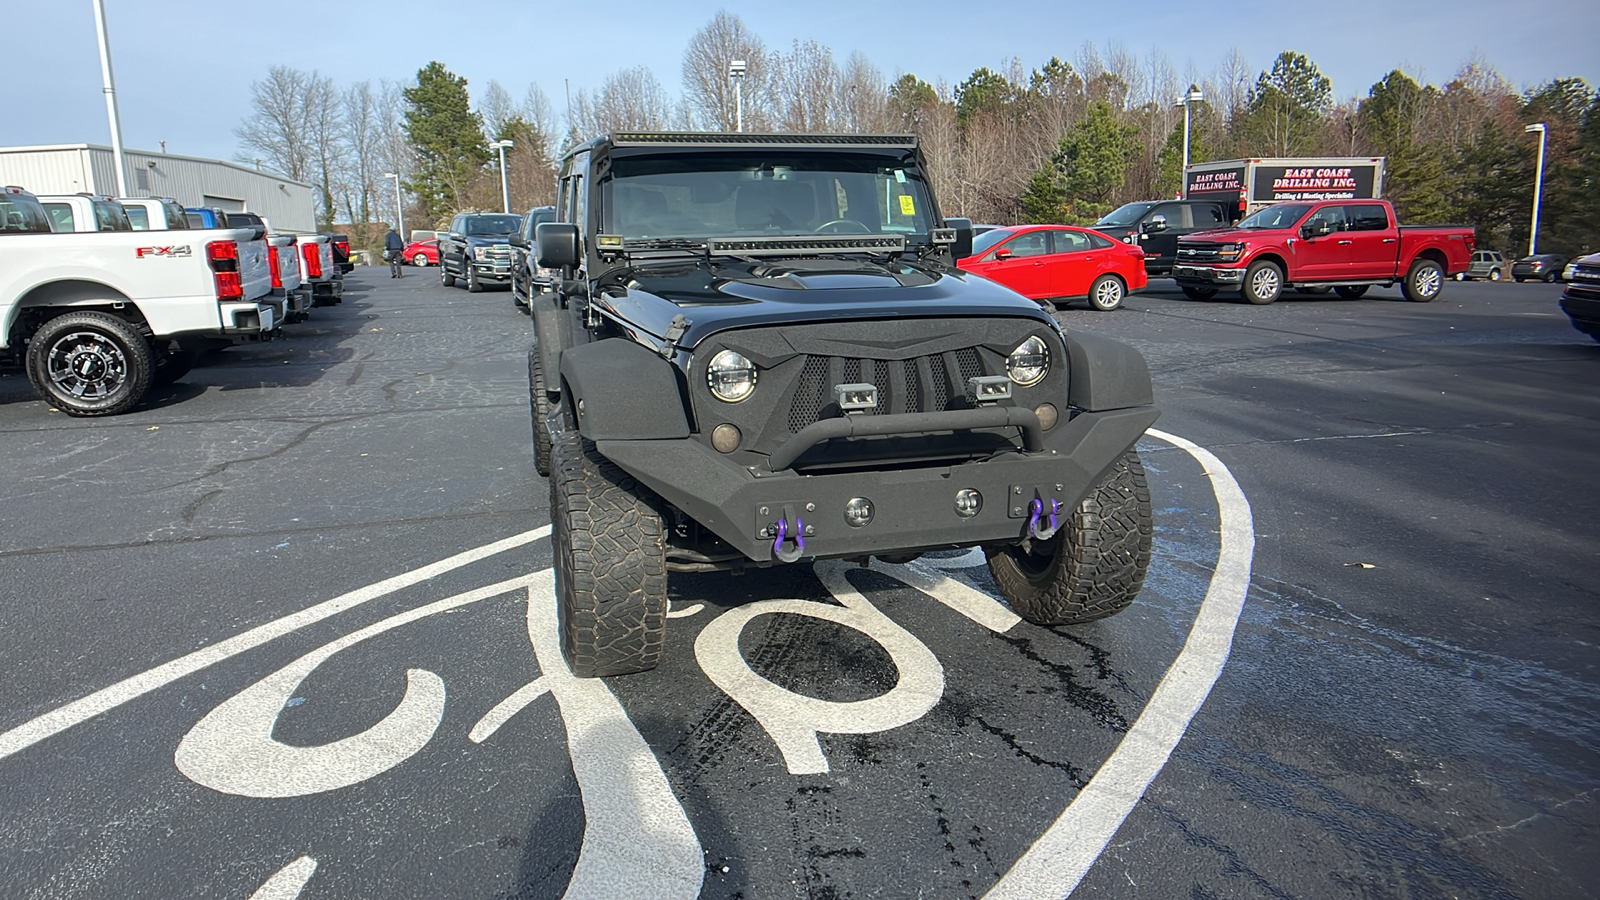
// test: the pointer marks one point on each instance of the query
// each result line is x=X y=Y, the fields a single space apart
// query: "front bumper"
x=1207 y=275
x=492 y=270
x=1582 y=306
x=914 y=507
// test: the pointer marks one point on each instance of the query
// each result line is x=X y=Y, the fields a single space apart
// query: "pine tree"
x=1044 y=202
x=1287 y=106
x=447 y=137
x=1092 y=159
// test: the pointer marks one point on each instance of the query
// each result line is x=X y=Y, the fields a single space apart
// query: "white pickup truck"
x=97 y=318
x=318 y=269
x=84 y=212
x=155 y=213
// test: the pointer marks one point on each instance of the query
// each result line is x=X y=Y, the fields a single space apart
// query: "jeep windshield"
x=763 y=192
x=1127 y=214
x=493 y=226
x=1283 y=215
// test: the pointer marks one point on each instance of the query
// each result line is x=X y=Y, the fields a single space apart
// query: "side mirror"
x=1316 y=229
x=962 y=248
x=1002 y=254
x=1156 y=225
x=557 y=245
x=517 y=240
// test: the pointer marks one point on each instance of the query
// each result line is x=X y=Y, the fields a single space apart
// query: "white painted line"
x=963 y=598
x=232 y=749
x=1058 y=860
x=637 y=840
x=505 y=709
x=687 y=611
x=289 y=882
x=79 y=711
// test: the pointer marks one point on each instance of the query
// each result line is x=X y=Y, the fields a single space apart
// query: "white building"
x=192 y=181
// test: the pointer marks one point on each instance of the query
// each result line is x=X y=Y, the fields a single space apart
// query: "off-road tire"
x=1260 y=287
x=1351 y=291
x=1095 y=565
x=1107 y=293
x=474 y=286
x=170 y=366
x=124 y=350
x=539 y=407
x=445 y=278
x=1199 y=293
x=610 y=563
x=1424 y=282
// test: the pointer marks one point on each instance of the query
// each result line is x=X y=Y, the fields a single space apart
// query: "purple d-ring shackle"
x=799 y=548
x=1036 y=515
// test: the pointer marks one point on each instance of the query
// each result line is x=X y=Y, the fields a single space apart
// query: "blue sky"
x=184 y=66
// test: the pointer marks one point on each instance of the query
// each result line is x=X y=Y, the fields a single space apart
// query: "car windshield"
x=984 y=242
x=765 y=191
x=493 y=225
x=1127 y=214
x=1282 y=215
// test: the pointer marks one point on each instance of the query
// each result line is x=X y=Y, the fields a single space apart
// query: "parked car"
x=1490 y=264
x=1059 y=263
x=154 y=213
x=341 y=253
x=84 y=212
x=477 y=250
x=161 y=302
x=206 y=217
x=1544 y=267
x=1347 y=246
x=422 y=253
x=318 y=271
x=1581 y=300
x=527 y=278
x=1156 y=225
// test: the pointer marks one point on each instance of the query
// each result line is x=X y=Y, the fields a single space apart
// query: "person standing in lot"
x=393 y=250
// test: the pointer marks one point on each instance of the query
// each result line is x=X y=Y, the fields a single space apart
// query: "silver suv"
x=1485 y=264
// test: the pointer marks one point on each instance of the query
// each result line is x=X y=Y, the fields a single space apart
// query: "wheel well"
x=1273 y=258
x=47 y=301
x=1434 y=255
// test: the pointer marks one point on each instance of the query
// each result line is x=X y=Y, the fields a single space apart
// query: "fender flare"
x=1103 y=374
x=552 y=333
x=620 y=391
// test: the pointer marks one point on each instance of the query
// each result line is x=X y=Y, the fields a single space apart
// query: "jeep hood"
x=724 y=294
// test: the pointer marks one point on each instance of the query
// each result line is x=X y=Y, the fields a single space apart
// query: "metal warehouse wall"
x=288 y=205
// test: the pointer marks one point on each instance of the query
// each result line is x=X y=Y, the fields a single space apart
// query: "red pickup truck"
x=1343 y=244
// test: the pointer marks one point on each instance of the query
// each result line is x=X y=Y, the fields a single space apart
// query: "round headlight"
x=1028 y=364
x=731 y=377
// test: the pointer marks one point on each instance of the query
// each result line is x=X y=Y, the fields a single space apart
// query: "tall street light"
x=1538 y=186
x=109 y=87
x=1193 y=96
x=399 y=205
x=505 y=186
x=736 y=71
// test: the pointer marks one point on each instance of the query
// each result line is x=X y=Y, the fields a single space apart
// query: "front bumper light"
x=731 y=377
x=1029 y=363
x=1570 y=272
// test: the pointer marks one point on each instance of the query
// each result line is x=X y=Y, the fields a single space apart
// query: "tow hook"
x=1041 y=525
x=788 y=553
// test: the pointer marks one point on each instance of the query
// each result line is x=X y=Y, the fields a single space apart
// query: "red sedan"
x=421 y=253
x=1059 y=263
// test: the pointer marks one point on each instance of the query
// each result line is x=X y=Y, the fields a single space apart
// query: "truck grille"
x=1587 y=274
x=921 y=384
x=495 y=253
x=1198 y=252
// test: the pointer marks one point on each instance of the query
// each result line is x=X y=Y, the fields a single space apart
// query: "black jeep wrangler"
x=760 y=351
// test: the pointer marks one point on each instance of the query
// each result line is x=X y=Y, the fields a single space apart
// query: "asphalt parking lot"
x=286 y=631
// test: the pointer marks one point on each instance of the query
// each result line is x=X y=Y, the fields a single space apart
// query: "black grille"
x=904 y=386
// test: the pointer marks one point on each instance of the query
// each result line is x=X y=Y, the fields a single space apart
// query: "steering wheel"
x=842 y=226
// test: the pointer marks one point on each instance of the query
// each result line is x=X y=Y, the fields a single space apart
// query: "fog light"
x=725 y=438
x=1047 y=415
x=855 y=397
x=858 y=512
x=968 y=503
x=986 y=389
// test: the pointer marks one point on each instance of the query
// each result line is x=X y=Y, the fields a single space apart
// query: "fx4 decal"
x=170 y=252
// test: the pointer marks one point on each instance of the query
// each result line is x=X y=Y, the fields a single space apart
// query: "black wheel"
x=1517 y=278
x=1351 y=291
x=1550 y=277
x=445 y=278
x=610 y=562
x=540 y=408
x=1424 y=282
x=1094 y=566
x=89 y=364
x=1199 y=293
x=171 y=366
x=1263 y=283
x=1106 y=293
x=473 y=285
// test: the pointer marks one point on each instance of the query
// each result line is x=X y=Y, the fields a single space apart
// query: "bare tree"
x=706 y=86
x=805 y=88
x=497 y=108
x=631 y=99
x=391 y=151
x=276 y=129
x=323 y=130
x=361 y=137
x=863 y=97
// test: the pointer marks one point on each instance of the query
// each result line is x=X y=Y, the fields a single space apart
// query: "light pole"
x=1538 y=186
x=505 y=186
x=736 y=71
x=1193 y=96
x=109 y=87
x=399 y=205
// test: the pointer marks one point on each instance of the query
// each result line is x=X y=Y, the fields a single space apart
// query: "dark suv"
x=477 y=250
x=526 y=279
x=1154 y=226
x=760 y=351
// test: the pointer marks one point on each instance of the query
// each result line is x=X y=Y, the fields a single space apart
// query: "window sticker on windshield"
x=900 y=175
x=908 y=207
